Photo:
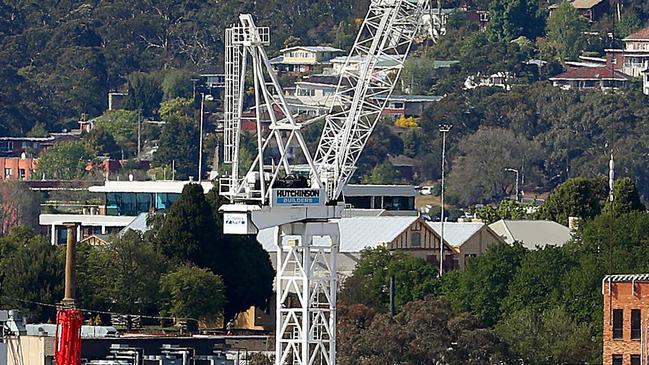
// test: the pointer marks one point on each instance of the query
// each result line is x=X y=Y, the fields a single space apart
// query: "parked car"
x=426 y=190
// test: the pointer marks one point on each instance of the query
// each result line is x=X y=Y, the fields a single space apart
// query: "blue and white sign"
x=298 y=197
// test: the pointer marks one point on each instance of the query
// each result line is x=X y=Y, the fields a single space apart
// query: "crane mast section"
x=384 y=40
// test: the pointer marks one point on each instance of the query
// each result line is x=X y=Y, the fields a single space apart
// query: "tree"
x=384 y=173
x=31 y=270
x=39 y=130
x=478 y=176
x=124 y=275
x=122 y=126
x=513 y=18
x=369 y=284
x=144 y=94
x=188 y=232
x=426 y=332
x=64 y=161
x=626 y=198
x=549 y=336
x=483 y=285
x=100 y=142
x=179 y=144
x=577 y=197
x=565 y=31
x=19 y=206
x=177 y=84
x=192 y=292
x=537 y=283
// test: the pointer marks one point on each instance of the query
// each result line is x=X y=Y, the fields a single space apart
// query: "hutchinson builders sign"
x=298 y=197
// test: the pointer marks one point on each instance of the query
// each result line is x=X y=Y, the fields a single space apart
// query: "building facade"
x=16 y=168
x=626 y=319
x=303 y=59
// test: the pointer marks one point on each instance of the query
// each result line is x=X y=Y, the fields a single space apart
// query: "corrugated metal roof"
x=378 y=190
x=356 y=233
x=532 y=233
x=585 y=4
x=456 y=234
x=313 y=49
x=138 y=224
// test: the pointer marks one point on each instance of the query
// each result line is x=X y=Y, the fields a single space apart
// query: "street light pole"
x=517 y=174
x=444 y=129
x=200 y=141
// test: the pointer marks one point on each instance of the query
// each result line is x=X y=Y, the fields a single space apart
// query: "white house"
x=302 y=59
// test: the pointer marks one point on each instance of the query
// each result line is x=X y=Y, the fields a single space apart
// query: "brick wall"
x=14 y=166
x=621 y=295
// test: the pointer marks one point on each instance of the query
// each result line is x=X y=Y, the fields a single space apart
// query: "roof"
x=402 y=161
x=27 y=139
x=532 y=233
x=139 y=224
x=626 y=278
x=412 y=98
x=585 y=4
x=641 y=35
x=444 y=64
x=374 y=190
x=383 y=61
x=356 y=233
x=456 y=234
x=313 y=49
x=590 y=73
x=169 y=187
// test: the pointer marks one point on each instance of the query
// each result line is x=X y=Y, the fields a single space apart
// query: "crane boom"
x=383 y=42
x=270 y=192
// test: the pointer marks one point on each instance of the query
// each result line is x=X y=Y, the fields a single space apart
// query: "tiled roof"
x=639 y=35
x=590 y=73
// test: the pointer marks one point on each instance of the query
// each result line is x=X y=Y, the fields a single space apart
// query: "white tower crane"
x=284 y=187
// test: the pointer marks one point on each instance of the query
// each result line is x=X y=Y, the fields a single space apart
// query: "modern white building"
x=123 y=202
x=532 y=234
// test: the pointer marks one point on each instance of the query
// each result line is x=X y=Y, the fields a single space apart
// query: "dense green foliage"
x=192 y=292
x=59 y=59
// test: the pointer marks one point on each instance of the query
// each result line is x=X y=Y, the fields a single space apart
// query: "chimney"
x=70 y=266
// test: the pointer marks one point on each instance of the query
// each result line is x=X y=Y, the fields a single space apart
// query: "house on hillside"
x=398 y=106
x=592 y=10
x=468 y=239
x=17 y=168
x=303 y=59
x=503 y=80
x=635 y=55
x=584 y=78
x=532 y=234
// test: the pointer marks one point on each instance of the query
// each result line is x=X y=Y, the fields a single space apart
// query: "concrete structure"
x=468 y=239
x=124 y=202
x=626 y=319
x=584 y=78
x=532 y=234
x=115 y=100
x=17 y=168
x=302 y=59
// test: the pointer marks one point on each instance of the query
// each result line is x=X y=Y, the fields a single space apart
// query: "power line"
x=92 y=311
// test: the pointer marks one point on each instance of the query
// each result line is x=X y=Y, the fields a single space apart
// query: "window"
x=635 y=324
x=21 y=173
x=415 y=239
x=618 y=324
x=635 y=359
x=7 y=172
x=617 y=359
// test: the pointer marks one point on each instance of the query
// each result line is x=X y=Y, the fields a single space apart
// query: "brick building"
x=16 y=168
x=626 y=319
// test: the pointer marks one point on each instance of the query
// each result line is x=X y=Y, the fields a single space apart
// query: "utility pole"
x=139 y=134
x=200 y=140
x=194 y=81
x=517 y=179
x=444 y=129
